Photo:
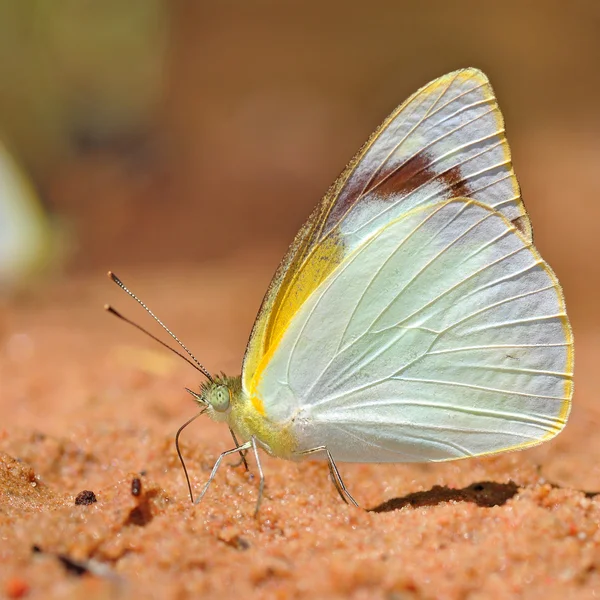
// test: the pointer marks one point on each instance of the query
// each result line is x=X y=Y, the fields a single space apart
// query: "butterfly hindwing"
x=444 y=335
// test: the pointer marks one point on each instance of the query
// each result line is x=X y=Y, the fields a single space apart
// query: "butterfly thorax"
x=227 y=402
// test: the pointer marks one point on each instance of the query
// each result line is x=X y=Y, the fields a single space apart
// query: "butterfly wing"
x=443 y=335
x=447 y=140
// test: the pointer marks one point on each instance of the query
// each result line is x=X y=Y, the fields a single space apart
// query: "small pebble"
x=86 y=497
x=136 y=486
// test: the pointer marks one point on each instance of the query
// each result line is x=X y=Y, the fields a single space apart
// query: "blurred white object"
x=25 y=232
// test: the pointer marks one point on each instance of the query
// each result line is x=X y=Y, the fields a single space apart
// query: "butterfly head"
x=217 y=396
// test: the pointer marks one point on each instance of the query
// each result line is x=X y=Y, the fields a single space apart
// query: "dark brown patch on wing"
x=418 y=172
x=456 y=183
x=413 y=174
x=521 y=223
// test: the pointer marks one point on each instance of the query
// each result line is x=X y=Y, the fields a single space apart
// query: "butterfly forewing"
x=445 y=141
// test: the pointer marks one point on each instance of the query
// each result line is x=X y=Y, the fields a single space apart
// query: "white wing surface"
x=442 y=336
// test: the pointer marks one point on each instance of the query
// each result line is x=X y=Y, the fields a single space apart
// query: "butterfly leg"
x=261 y=480
x=340 y=486
x=244 y=446
x=242 y=453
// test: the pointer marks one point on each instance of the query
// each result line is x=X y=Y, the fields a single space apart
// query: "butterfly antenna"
x=187 y=477
x=196 y=364
x=116 y=313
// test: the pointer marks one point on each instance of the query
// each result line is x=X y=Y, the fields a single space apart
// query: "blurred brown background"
x=176 y=132
x=182 y=143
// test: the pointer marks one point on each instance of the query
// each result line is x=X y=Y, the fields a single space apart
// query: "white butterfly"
x=412 y=318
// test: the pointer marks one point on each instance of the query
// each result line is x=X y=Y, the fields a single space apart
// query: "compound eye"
x=220 y=398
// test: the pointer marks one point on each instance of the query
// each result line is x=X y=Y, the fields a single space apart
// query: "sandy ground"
x=88 y=404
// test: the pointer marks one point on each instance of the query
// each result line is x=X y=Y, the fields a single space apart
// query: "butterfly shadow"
x=482 y=493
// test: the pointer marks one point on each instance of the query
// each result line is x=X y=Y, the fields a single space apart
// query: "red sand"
x=89 y=404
